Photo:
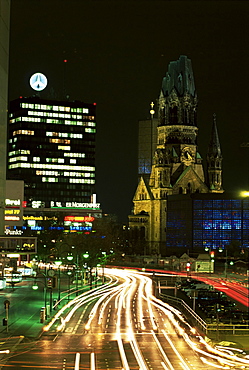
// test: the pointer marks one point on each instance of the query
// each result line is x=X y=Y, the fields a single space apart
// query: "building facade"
x=52 y=148
x=177 y=164
x=4 y=66
x=211 y=221
x=147 y=140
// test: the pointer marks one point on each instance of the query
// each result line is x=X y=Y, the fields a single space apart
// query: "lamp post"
x=58 y=263
x=86 y=256
x=35 y=287
x=225 y=269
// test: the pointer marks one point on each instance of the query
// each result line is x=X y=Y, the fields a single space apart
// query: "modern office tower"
x=147 y=136
x=52 y=148
x=4 y=64
x=177 y=164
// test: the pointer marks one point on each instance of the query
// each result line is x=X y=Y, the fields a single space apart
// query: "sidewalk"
x=25 y=309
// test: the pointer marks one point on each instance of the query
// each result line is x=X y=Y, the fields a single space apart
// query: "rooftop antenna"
x=64 y=94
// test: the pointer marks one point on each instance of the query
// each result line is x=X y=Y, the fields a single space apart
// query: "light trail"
x=162 y=351
x=183 y=363
x=77 y=361
x=137 y=288
x=92 y=360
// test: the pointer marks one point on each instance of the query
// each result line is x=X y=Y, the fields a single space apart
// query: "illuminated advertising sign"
x=38 y=81
x=74 y=205
x=20 y=245
x=79 y=219
x=13 y=212
x=13 y=232
x=40 y=218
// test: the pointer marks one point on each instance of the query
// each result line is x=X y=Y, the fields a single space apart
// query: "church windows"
x=173 y=116
x=142 y=196
x=189 y=188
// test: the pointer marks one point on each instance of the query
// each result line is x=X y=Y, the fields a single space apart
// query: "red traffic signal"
x=212 y=254
x=51 y=282
x=188 y=264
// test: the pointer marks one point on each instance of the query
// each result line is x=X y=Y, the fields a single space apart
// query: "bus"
x=12 y=277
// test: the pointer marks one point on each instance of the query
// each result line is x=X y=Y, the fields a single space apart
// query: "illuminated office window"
x=81 y=181
x=73 y=161
x=62 y=167
x=48 y=133
x=63 y=147
x=20 y=158
x=30 y=119
x=47 y=173
x=52 y=120
x=75 y=155
x=50 y=114
x=23 y=132
x=35 y=113
x=27 y=105
x=90 y=130
x=49 y=179
x=20 y=151
x=80 y=110
x=55 y=160
x=59 y=141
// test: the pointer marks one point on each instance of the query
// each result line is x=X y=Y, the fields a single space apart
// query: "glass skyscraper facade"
x=51 y=146
x=207 y=221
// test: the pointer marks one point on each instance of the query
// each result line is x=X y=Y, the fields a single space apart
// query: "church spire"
x=214 y=143
x=178 y=97
x=214 y=161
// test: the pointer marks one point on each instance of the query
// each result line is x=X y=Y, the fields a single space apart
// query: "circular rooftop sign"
x=38 y=81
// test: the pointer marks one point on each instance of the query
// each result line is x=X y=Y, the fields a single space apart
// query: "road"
x=120 y=325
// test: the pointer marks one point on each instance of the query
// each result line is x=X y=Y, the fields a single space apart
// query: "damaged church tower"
x=177 y=165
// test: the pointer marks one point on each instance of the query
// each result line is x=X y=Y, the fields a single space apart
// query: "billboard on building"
x=13 y=213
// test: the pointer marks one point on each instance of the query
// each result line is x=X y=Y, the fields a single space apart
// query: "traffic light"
x=51 y=282
x=212 y=256
x=188 y=266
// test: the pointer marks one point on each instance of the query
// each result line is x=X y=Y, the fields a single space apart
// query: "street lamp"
x=58 y=262
x=221 y=250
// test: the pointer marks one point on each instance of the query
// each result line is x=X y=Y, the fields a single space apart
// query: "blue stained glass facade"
x=216 y=223
x=207 y=221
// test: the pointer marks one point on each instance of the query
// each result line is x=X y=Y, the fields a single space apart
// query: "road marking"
x=77 y=361
x=92 y=361
x=79 y=321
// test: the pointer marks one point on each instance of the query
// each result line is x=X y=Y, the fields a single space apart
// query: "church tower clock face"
x=187 y=155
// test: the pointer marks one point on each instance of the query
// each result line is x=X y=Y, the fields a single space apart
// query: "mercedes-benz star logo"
x=38 y=81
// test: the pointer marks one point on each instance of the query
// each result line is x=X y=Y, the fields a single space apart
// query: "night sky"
x=118 y=53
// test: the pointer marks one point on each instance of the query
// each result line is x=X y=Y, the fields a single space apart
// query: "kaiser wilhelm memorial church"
x=177 y=203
